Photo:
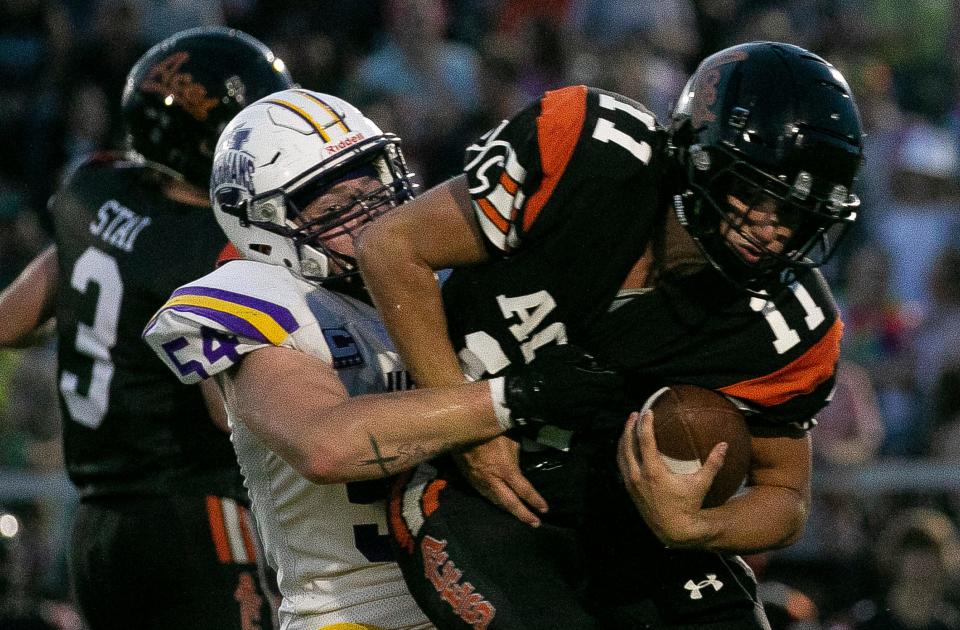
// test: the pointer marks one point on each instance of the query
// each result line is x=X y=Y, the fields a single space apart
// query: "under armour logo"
x=695 y=587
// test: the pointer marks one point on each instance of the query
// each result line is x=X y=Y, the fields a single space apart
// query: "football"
x=688 y=421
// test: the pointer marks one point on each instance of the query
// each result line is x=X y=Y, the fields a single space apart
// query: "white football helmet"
x=282 y=152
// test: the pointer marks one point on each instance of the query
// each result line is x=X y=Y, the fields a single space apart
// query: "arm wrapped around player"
x=563 y=386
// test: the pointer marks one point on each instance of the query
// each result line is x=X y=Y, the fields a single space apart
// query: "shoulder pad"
x=208 y=324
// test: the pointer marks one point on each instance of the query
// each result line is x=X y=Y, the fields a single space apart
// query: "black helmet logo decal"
x=178 y=87
x=705 y=89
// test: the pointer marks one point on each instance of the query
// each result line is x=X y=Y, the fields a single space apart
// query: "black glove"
x=563 y=386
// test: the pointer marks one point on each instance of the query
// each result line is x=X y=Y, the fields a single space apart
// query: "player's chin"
x=743 y=249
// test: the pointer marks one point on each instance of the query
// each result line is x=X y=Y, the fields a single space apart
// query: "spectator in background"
x=417 y=60
x=104 y=55
x=431 y=81
x=918 y=553
x=542 y=58
x=324 y=56
x=21 y=607
x=918 y=39
x=29 y=412
x=21 y=234
x=35 y=43
x=937 y=342
x=633 y=70
x=162 y=18
x=850 y=428
x=32 y=445
x=668 y=26
x=877 y=337
x=637 y=49
x=921 y=213
x=872 y=81
x=88 y=124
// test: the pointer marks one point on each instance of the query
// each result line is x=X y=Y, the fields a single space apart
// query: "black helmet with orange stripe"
x=768 y=140
x=182 y=92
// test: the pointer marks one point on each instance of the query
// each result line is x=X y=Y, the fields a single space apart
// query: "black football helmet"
x=768 y=141
x=182 y=92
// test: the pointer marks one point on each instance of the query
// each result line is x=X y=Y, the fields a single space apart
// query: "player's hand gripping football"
x=563 y=386
x=669 y=502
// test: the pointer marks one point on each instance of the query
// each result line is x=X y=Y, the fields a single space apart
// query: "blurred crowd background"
x=881 y=548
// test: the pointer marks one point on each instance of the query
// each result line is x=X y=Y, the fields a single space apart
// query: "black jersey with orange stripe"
x=569 y=195
x=576 y=146
x=777 y=356
x=130 y=427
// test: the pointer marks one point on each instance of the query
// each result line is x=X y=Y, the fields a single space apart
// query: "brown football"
x=688 y=421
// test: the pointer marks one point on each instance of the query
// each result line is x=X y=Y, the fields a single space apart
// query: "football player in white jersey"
x=309 y=376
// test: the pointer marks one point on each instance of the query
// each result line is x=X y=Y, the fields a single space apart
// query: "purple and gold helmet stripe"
x=299 y=111
x=240 y=314
x=333 y=114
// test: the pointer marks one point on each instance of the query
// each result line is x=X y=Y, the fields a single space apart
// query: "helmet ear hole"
x=261 y=248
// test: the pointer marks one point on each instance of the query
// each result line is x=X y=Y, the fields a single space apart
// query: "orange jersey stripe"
x=431 y=496
x=800 y=376
x=218 y=529
x=247 y=534
x=495 y=217
x=508 y=184
x=562 y=113
x=401 y=533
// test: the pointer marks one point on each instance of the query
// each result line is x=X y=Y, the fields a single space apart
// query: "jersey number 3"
x=94 y=270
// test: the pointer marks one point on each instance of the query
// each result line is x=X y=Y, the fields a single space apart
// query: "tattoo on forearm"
x=378 y=458
x=406 y=456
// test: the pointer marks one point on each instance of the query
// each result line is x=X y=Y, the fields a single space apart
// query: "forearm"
x=382 y=434
x=297 y=405
x=770 y=512
x=761 y=518
x=408 y=299
x=774 y=506
x=29 y=301
x=398 y=255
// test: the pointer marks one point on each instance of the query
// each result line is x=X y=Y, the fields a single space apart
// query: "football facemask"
x=767 y=139
x=769 y=225
x=281 y=203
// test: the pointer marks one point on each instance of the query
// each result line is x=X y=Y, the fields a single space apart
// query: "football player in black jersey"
x=683 y=253
x=163 y=538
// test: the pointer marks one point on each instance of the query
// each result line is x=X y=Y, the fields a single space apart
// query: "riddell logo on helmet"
x=166 y=80
x=343 y=144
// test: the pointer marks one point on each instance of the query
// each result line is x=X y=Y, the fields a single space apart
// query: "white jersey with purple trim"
x=328 y=543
